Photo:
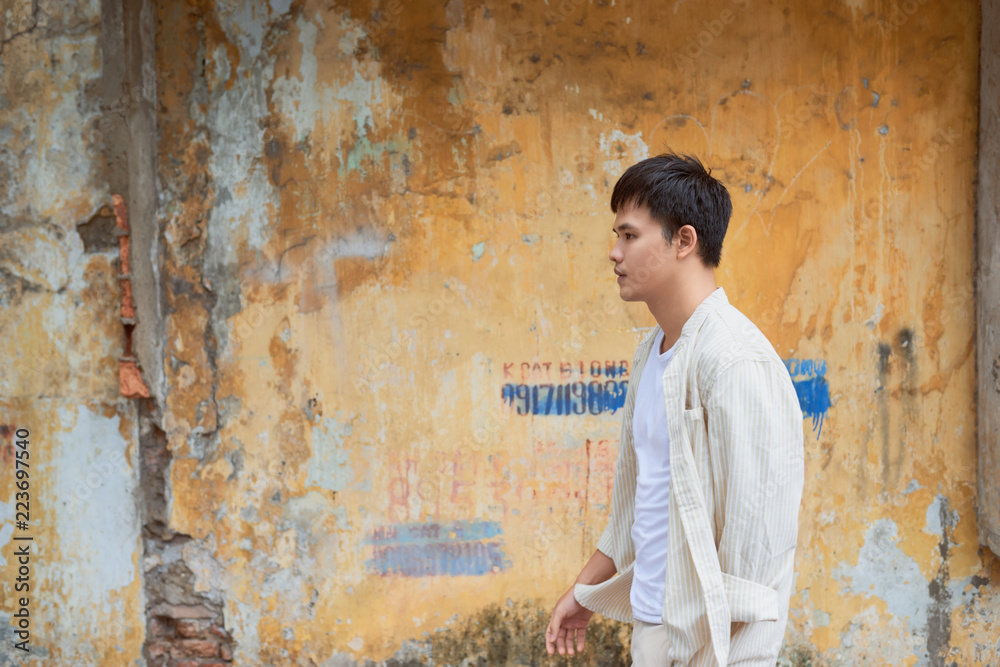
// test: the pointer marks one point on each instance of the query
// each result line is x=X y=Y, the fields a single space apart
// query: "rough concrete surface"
x=388 y=353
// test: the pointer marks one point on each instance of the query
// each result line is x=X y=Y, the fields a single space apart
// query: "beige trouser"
x=649 y=644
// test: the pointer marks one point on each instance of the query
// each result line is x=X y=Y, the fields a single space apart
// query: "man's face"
x=644 y=262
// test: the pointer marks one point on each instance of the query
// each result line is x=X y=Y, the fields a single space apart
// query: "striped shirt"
x=737 y=469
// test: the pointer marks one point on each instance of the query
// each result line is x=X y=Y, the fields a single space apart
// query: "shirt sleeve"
x=756 y=447
x=616 y=540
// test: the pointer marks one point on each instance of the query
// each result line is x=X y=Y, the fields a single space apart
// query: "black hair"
x=678 y=191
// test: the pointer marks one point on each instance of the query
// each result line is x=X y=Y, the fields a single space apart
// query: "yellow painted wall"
x=61 y=339
x=385 y=230
x=385 y=214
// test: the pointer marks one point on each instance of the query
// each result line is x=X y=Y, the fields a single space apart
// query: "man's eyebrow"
x=624 y=225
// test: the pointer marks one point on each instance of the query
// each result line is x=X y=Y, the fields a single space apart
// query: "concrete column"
x=140 y=75
x=988 y=278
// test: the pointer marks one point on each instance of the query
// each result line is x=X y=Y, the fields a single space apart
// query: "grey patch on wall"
x=939 y=612
x=12 y=657
x=12 y=288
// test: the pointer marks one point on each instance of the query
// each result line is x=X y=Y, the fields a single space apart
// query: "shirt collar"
x=713 y=300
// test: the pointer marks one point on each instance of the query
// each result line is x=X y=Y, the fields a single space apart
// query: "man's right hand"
x=568 y=625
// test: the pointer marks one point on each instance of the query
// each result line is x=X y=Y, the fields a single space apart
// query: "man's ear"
x=687 y=241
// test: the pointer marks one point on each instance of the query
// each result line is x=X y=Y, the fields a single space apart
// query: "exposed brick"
x=225 y=653
x=196 y=648
x=161 y=627
x=220 y=633
x=188 y=663
x=192 y=627
x=183 y=611
x=159 y=649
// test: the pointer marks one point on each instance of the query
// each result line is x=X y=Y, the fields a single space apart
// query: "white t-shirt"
x=652 y=489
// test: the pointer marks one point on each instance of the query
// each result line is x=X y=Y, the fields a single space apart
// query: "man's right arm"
x=598 y=569
x=569 y=618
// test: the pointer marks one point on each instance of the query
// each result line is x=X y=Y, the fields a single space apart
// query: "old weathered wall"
x=393 y=353
x=78 y=589
x=988 y=279
x=396 y=355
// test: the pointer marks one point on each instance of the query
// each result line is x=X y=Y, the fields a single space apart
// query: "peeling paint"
x=334 y=365
x=330 y=464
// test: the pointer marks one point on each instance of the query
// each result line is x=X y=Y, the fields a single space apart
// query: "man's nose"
x=615 y=255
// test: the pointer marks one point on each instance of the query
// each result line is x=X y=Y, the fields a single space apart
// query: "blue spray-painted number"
x=436 y=549
x=429 y=560
x=575 y=398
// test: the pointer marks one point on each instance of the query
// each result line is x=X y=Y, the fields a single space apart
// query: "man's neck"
x=673 y=310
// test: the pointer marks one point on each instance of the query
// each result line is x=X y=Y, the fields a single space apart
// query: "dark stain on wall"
x=882 y=403
x=939 y=613
x=897 y=381
x=904 y=347
x=514 y=634
x=98 y=232
x=996 y=374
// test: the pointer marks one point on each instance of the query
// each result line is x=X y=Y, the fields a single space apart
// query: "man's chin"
x=626 y=293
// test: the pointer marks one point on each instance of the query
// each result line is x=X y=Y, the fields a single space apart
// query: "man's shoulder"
x=725 y=337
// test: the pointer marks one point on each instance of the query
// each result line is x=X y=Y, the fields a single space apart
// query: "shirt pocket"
x=750 y=602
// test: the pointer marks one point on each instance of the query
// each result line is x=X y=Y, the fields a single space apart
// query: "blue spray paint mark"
x=437 y=549
x=814 y=397
x=575 y=398
x=429 y=560
x=813 y=390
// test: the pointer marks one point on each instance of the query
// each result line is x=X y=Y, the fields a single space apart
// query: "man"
x=699 y=550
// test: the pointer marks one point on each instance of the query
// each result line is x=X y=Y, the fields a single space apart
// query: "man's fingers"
x=552 y=632
x=550 y=638
x=581 y=636
x=561 y=641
